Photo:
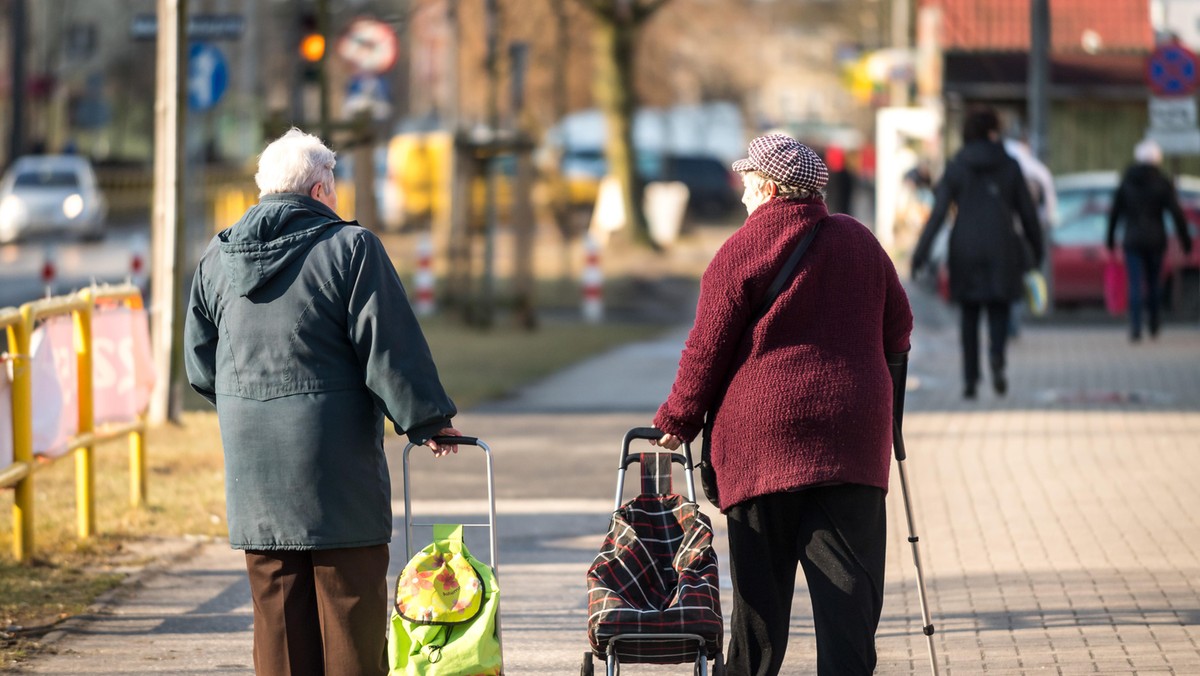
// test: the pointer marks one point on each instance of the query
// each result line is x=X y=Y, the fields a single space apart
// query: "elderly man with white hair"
x=1144 y=193
x=299 y=332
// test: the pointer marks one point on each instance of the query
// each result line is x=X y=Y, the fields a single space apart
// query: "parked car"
x=1077 y=246
x=44 y=194
x=713 y=189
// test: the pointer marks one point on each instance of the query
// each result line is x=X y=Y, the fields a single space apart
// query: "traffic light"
x=311 y=46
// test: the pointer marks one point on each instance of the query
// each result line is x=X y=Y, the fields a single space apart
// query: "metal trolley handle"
x=491 y=494
x=652 y=433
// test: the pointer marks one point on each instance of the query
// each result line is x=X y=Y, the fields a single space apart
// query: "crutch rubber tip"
x=928 y=630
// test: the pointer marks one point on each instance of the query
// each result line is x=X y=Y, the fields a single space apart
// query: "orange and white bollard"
x=49 y=270
x=424 y=279
x=137 y=271
x=593 y=282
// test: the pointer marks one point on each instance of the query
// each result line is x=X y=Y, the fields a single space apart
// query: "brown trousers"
x=321 y=612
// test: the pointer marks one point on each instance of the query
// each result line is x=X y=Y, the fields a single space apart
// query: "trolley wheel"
x=586 y=669
x=718 y=665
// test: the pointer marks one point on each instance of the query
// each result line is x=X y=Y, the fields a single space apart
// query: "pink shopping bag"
x=1116 y=288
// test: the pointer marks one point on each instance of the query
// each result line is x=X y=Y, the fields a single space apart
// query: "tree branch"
x=601 y=8
x=643 y=12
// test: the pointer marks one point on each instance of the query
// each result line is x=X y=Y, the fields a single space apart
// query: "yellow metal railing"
x=19 y=325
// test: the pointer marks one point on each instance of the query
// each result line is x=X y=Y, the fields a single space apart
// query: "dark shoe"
x=1135 y=337
x=1000 y=384
x=969 y=391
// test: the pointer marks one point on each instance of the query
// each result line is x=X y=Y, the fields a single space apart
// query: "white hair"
x=294 y=163
x=785 y=191
x=1148 y=152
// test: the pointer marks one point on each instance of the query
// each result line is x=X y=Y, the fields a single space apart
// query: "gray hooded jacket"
x=299 y=331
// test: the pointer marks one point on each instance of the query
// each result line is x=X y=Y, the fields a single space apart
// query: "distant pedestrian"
x=1138 y=204
x=300 y=333
x=987 y=255
x=1040 y=182
x=801 y=441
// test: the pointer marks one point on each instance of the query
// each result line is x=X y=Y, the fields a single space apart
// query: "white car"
x=44 y=194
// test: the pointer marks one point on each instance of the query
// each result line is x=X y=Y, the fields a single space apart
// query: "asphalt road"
x=72 y=264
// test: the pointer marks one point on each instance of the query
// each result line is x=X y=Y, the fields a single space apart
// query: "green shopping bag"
x=444 y=619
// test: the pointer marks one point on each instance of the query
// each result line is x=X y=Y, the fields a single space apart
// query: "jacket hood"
x=270 y=236
x=982 y=154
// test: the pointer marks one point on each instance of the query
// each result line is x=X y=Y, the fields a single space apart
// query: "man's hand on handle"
x=440 y=450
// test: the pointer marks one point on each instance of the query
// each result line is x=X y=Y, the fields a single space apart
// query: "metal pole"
x=1039 y=77
x=487 y=296
x=323 y=69
x=900 y=31
x=16 y=140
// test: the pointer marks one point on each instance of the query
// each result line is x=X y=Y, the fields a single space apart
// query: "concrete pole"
x=167 y=220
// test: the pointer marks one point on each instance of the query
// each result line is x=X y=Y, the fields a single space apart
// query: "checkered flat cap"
x=785 y=160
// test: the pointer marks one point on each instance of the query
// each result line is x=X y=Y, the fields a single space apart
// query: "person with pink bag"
x=1144 y=193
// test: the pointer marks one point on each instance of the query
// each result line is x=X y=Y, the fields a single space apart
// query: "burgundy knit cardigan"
x=809 y=400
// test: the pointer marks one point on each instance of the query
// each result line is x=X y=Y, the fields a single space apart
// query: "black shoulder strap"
x=772 y=293
x=786 y=273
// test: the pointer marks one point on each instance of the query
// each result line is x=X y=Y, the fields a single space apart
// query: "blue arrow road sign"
x=207 y=76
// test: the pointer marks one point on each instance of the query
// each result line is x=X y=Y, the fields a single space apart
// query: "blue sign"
x=207 y=76
x=1172 y=70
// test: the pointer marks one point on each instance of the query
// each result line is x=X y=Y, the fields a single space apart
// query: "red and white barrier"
x=137 y=271
x=424 y=279
x=593 y=282
x=49 y=270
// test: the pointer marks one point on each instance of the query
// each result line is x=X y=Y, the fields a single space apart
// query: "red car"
x=1078 y=254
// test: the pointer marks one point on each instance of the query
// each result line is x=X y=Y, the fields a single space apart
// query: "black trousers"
x=838 y=535
x=997 y=319
x=320 y=613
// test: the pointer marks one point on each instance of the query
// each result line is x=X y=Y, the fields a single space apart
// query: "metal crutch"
x=898 y=368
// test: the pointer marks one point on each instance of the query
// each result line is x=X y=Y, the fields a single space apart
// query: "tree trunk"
x=614 y=46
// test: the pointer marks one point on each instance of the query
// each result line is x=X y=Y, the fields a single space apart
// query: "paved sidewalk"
x=1060 y=526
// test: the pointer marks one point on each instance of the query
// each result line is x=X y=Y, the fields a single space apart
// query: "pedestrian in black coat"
x=1138 y=205
x=995 y=239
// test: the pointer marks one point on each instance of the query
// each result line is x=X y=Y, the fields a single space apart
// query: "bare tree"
x=617 y=27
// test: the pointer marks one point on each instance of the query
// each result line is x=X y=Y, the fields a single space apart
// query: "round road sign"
x=370 y=45
x=1172 y=70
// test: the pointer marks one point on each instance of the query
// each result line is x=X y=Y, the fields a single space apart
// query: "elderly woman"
x=299 y=332
x=801 y=442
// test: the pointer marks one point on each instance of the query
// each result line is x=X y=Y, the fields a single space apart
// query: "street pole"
x=1039 y=76
x=487 y=295
x=16 y=142
x=167 y=221
x=1038 y=110
x=900 y=14
x=323 y=69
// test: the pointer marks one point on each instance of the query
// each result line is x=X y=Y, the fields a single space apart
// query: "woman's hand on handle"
x=440 y=450
x=668 y=441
